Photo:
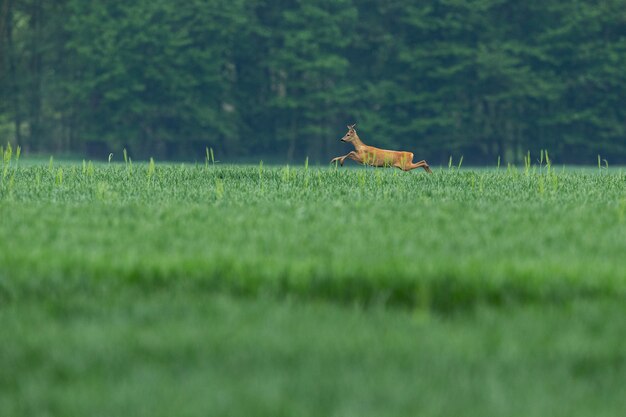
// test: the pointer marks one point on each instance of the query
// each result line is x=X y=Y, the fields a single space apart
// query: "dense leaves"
x=483 y=78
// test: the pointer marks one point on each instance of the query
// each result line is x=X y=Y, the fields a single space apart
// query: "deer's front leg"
x=352 y=155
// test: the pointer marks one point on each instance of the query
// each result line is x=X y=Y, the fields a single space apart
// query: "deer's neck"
x=357 y=143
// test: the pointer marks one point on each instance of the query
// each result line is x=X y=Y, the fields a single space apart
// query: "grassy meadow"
x=180 y=289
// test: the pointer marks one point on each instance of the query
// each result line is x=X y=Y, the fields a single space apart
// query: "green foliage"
x=169 y=78
x=154 y=70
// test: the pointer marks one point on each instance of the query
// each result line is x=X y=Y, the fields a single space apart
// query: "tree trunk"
x=4 y=17
x=36 y=130
x=14 y=88
x=292 y=140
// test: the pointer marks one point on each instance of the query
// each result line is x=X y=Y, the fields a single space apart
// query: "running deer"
x=369 y=155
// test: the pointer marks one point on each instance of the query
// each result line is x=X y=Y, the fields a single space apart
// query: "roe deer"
x=369 y=155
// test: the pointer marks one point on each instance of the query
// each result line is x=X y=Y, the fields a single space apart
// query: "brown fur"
x=369 y=155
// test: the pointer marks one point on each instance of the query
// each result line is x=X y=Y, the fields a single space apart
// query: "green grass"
x=255 y=290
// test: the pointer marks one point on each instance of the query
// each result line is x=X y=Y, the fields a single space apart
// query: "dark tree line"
x=253 y=78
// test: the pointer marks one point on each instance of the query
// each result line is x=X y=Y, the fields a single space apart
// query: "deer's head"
x=351 y=135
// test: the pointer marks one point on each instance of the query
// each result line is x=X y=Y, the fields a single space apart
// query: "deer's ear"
x=352 y=127
x=349 y=127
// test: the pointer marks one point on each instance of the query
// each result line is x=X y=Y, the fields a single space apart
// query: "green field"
x=160 y=290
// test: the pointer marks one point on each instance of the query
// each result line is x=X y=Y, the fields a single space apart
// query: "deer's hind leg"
x=408 y=165
x=422 y=164
x=405 y=162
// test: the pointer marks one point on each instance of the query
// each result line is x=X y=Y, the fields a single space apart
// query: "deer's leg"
x=404 y=161
x=352 y=155
x=426 y=167
x=405 y=164
x=420 y=164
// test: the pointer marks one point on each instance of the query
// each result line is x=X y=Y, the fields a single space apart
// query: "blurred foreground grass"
x=247 y=290
x=193 y=353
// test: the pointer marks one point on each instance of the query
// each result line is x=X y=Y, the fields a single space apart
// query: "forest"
x=254 y=79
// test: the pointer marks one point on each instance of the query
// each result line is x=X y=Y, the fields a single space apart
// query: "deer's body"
x=369 y=155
